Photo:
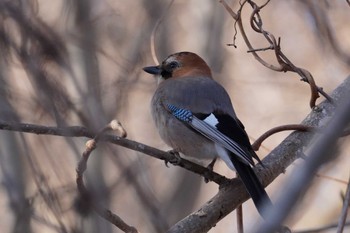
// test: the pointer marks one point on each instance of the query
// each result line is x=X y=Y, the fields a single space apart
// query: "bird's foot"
x=176 y=160
x=211 y=168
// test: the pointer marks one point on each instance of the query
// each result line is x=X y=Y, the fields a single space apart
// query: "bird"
x=194 y=115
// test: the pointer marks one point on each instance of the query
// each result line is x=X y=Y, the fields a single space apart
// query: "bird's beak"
x=155 y=70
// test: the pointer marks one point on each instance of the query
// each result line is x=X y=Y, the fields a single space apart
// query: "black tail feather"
x=253 y=185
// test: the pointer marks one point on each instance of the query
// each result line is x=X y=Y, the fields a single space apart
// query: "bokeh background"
x=66 y=63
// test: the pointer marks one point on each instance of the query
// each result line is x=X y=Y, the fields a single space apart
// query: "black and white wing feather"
x=211 y=132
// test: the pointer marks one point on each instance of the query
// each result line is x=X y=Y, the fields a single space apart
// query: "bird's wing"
x=207 y=127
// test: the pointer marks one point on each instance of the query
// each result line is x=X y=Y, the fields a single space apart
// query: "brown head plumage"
x=179 y=65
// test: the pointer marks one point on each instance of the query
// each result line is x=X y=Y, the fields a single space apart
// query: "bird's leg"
x=211 y=164
x=176 y=160
x=211 y=168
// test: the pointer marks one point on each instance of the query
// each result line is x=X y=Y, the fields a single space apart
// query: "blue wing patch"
x=181 y=114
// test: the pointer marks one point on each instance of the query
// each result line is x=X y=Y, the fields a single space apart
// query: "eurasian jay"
x=194 y=115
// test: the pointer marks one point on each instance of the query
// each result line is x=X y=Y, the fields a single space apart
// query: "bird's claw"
x=210 y=167
x=176 y=160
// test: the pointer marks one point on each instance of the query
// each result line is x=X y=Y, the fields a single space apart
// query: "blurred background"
x=66 y=63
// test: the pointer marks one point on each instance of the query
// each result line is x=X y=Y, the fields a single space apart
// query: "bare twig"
x=323 y=24
x=332 y=179
x=229 y=10
x=285 y=64
x=153 y=34
x=298 y=127
x=303 y=128
x=81 y=168
x=321 y=229
x=250 y=47
x=344 y=212
x=239 y=217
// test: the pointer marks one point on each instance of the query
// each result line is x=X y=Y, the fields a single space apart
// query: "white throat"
x=159 y=79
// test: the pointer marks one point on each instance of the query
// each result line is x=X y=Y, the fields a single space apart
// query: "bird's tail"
x=252 y=185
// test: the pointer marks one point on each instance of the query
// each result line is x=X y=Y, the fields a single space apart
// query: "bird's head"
x=180 y=65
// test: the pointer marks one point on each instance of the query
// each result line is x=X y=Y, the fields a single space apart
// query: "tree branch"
x=78 y=131
x=344 y=212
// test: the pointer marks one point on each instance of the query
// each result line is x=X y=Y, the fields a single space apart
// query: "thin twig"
x=331 y=178
x=297 y=127
x=229 y=9
x=303 y=128
x=239 y=217
x=260 y=49
x=345 y=209
x=84 y=193
x=153 y=34
x=321 y=229
x=285 y=64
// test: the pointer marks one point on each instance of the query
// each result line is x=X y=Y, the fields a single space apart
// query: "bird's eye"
x=173 y=65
